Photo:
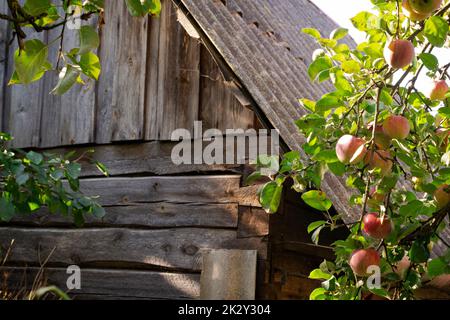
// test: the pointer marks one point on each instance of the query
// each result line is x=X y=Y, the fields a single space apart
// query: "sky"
x=341 y=11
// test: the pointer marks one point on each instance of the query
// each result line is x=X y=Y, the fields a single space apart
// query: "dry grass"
x=22 y=290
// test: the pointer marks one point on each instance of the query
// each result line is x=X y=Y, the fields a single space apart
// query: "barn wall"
x=159 y=217
x=155 y=79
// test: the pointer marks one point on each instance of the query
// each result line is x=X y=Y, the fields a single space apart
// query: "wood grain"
x=123 y=52
x=114 y=284
x=67 y=119
x=179 y=248
x=149 y=215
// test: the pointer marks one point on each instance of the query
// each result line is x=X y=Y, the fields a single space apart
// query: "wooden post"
x=228 y=275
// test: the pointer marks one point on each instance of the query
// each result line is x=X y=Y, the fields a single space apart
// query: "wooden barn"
x=232 y=64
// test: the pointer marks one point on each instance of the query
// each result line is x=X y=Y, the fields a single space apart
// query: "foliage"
x=366 y=91
x=81 y=63
x=32 y=180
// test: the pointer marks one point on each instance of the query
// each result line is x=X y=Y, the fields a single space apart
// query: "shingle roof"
x=261 y=42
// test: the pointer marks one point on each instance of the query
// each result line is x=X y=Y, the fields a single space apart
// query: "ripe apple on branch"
x=387 y=140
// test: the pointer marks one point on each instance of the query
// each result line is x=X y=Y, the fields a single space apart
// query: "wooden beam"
x=148 y=215
x=178 y=248
x=113 y=284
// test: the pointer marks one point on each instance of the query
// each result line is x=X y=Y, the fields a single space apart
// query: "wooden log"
x=150 y=157
x=228 y=275
x=178 y=248
x=120 y=91
x=149 y=215
x=173 y=88
x=67 y=119
x=113 y=284
x=176 y=189
x=253 y=222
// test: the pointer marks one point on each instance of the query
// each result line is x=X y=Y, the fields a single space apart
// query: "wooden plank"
x=4 y=34
x=176 y=189
x=150 y=157
x=123 y=52
x=67 y=119
x=253 y=222
x=219 y=108
x=150 y=215
x=114 y=284
x=23 y=105
x=179 y=248
x=178 y=79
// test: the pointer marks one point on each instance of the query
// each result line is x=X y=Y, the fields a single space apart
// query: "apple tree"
x=387 y=137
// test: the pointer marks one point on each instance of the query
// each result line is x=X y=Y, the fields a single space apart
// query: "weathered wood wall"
x=150 y=242
x=155 y=79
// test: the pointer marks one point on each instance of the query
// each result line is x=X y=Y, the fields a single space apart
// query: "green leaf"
x=45 y=67
x=318 y=294
x=318 y=274
x=270 y=196
x=102 y=168
x=327 y=102
x=67 y=78
x=319 y=65
x=437 y=267
x=317 y=200
x=419 y=252
x=98 y=212
x=140 y=8
x=338 y=33
x=436 y=30
x=312 y=32
x=350 y=66
x=74 y=170
x=90 y=65
x=7 y=210
x=36 y=7
x=89 y=39
x=35 y=157
x=430 y=61
x=254 y=176
x=30 y=61
x=21 y=179
x=363 y=21
x=308 y=104
x=314 y=225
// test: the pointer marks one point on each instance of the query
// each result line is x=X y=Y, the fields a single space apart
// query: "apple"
x=376 y=227
x=396 y=127
x=362 y=259
x=381 y=139
x=379 y=159
x=442 y=196
x=438 y=90
x=399 y=53
x=409 y=12
x=375 y=198
x=350 y=149
x=423 y=6
x=402 y=266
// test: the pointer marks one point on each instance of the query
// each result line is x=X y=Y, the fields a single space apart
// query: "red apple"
x=377 y=227
x=362 y=259
x=399 y=53
x=442 y=196
x=437 y=4
x=438 y=90
x=375 y=198
x=380 y=159
x=396 y=127
x=409 y=12
x=350 y=149
x=381 y=139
